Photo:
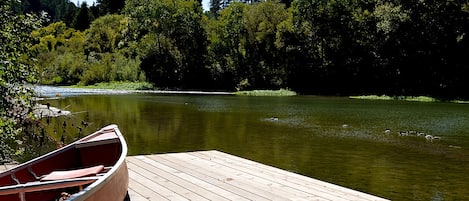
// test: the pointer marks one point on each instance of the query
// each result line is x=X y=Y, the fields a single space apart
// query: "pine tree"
x=110 y=6
x=83 y=18
x=215 y=6
x=286 y=2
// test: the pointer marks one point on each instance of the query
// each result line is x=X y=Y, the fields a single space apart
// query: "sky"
x=205 y=3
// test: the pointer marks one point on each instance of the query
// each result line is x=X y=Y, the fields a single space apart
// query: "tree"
x=107 y=52
x=59 y=52
x=57 y=10
x=16 y=73
x=286 y=2
x=176 y=56
x=226 y=51
x=105 y=34
x=264 y=59
x=215 y=6
x=33 y=6
x=110 y=6
x=433 y=45
x=83 y=18
x=333 y=37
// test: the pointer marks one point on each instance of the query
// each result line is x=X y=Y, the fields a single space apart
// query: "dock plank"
x=221 y=180
x=293 y=180
x=136 y=196
x=209 y=190
x=139 y=191
x=248 y=180
x=153 y=190
x=170 y=181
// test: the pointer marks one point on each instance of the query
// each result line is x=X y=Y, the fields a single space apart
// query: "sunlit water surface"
x=335 y=139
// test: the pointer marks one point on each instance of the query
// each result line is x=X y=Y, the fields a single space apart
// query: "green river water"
x=335 y=139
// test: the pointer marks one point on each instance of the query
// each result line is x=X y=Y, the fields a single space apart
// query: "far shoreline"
x=66 y=91
x=405 y=98
x=46 y=91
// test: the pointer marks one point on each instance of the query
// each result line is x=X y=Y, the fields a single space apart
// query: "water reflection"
x=307 y=136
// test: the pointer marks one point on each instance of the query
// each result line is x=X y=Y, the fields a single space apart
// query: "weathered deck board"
x=286 y=178
x=241 y=179
x=214 y=175
x=235 y=187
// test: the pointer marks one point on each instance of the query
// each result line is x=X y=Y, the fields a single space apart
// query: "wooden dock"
x=214 y=175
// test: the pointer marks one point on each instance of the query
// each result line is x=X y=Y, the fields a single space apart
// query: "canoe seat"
x=70 y=174
x=57 y=180
x=46 y=185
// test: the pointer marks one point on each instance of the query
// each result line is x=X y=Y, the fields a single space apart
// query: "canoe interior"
x=81 y=154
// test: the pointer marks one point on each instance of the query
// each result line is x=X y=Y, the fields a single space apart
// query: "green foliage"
x=119 y=86
x=110 y=6
x=57 y=10
x=215 y=7
x=389 y=17
x=286 y=2
x=59 y=50
x=226 y=50
x=322 y=47
x=108 y=55
x=161 y=60
x=67 y=56
x=83 y=18
x=56 y=35
x=111 y=67
x=406 y=98
x=281 y=92
x=105 y=34
x=16 y=74
x=244 y=45
x=172 y=41
x=261 y=22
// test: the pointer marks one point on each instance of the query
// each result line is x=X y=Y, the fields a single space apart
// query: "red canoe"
x=92 y=168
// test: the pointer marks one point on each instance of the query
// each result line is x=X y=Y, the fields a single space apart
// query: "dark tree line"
x=344 y=47
x=78 y=17
x=350 y=47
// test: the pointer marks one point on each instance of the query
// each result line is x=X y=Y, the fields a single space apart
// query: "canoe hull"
x=114 y=188
x=106 y=147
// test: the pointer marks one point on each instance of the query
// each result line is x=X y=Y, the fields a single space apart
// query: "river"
x=335 y=139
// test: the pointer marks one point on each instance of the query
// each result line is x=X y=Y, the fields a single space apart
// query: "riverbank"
x=405 y=98
x=280 y=92
x=53 y=91
x=127 y=88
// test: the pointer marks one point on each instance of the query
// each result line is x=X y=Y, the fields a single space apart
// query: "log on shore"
x=41 y=111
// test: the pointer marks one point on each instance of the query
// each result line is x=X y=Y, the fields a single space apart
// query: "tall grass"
x=119 y=86
x=281 y=92
x=406 y=98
